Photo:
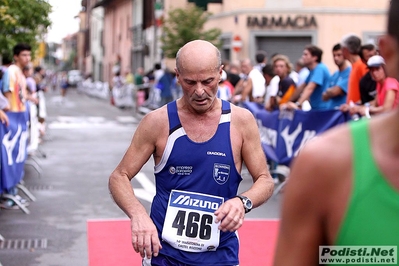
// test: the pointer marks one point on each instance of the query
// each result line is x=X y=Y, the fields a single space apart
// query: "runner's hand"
x=145 y=236
x=231 y=214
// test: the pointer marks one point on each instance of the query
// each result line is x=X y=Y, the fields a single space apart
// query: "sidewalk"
x=86 y=138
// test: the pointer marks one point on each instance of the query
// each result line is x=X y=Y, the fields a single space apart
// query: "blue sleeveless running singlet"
x=192 y=180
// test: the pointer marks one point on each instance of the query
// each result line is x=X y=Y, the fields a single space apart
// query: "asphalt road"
x=86 y=138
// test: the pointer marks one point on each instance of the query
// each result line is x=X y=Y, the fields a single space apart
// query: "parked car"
x=74 y=77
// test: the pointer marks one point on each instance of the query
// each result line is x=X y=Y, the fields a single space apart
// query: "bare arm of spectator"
x=374 y=109
x=239 y=87
x=332 y=92
x=307 y=91
x=272 y=103
x=297 y=92
x=247 y=90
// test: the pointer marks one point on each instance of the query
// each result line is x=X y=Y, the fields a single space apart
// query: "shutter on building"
x=290 y=46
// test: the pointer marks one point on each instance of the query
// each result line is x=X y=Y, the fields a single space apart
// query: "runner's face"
x=200 y=87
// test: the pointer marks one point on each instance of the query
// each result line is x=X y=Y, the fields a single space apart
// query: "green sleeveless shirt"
x=372 y=215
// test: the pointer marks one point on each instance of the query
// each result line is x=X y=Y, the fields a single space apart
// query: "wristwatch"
x=246 y=202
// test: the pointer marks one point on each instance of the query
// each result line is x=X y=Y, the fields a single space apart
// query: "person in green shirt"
x=343 y=189
x=138 y=77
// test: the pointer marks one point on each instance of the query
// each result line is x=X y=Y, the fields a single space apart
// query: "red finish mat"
x=109 y=243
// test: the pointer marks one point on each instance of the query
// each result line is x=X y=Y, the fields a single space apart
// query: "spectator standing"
x=139 y=76
x=286 y=87
x=335 y=95
x=233 y=75
x=271 y=86
x=387 y=90
x=367 y=85
x=14 y=89
x=117 y=67
x=261 y=60
x=351 y=45
x=156 y=92
x=129 y=79
x=41 y=88
x=224 y=88
x=303 y=72
x=353 y=171
x=165 y=84
x=224 y=137
x=316 y=83
x=117 y=80
x=30 y=85
x=387 y=87
x=254 y=88
x=6 y=62
x=14 y=81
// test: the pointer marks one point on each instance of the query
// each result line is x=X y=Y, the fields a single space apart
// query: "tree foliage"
x=23 y=21
x=184 y=25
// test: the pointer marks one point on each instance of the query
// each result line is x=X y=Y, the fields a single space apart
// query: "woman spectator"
x=387 y=90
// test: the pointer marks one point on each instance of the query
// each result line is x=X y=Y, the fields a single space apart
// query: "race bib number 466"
x=190 y=223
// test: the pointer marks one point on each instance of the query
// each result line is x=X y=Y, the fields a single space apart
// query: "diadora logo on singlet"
x=216 y=153
x=188 y=201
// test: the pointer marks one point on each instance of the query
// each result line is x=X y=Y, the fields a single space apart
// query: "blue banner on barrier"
x=13 y=149
x=284 y=133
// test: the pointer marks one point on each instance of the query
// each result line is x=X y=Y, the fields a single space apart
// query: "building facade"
x=116 y=37
x=69 y=47
x=131 y=32
x=286 y=26
x=96 y=52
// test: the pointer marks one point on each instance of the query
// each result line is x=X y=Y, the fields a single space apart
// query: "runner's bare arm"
x=255 y=160
x=301 y=229
x=315 y=198
x=143 y=145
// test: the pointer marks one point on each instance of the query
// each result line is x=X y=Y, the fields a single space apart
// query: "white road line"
x=84 y=122
x=146 y=193
x=126 y=119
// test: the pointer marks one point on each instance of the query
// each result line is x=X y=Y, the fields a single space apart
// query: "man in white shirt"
x=254 y=88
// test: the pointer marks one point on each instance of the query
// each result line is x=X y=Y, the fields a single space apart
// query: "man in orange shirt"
x=351 y=45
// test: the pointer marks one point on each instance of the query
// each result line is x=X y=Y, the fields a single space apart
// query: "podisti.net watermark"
x=358 y=255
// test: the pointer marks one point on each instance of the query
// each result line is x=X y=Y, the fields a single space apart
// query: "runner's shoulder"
x=241 y=114
x=325 y=157
x=155 y=120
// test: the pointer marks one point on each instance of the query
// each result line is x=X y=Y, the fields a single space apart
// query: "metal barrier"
x=95 y=89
